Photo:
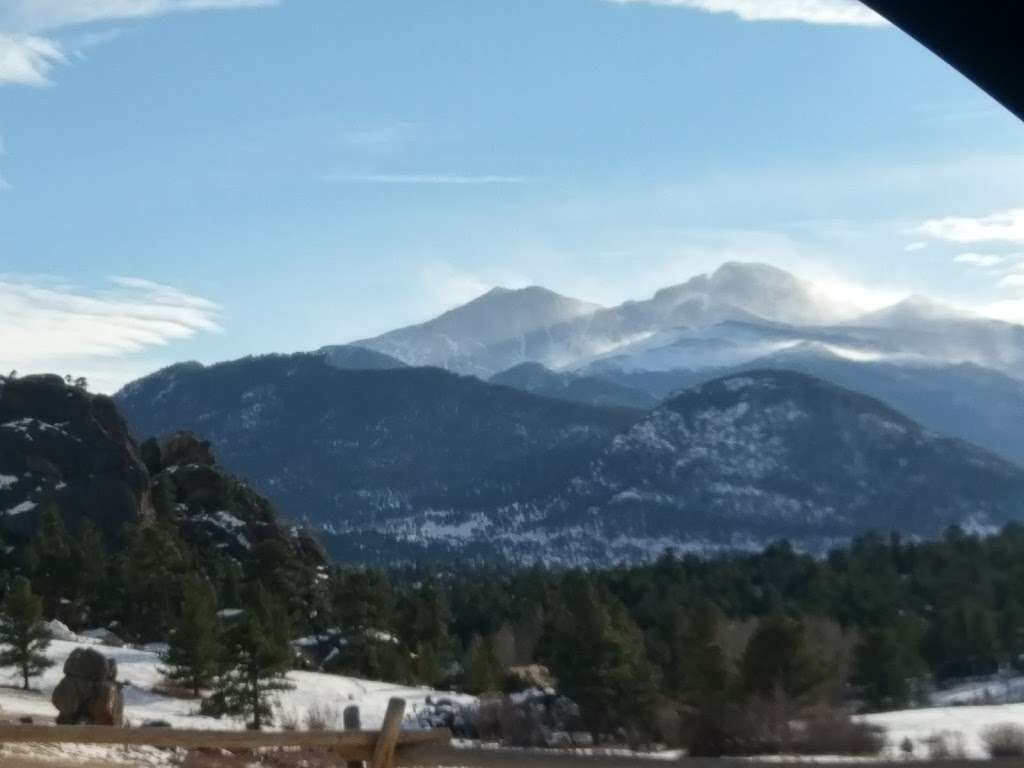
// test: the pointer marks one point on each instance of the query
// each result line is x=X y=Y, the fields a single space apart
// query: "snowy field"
x=140 y=671
x=960 y=726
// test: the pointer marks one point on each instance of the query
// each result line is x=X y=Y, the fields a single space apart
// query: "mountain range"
x=736 y=314
x=734 y=408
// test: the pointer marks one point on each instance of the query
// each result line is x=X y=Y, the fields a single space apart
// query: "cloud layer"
x=29 y=51
x=845 y=12
x=28 y=59
x=978 y=259
x=44 y=322
x=38 y=15
x=1004 y=226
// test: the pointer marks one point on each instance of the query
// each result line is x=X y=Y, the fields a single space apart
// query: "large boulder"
x=89 y=692
x=87 y=664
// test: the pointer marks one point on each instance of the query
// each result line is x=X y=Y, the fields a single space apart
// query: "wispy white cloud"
x=1014 y=280
x=1007 y=310
x=45 y=322
x=917 y=245
x=435 y=178
x=30 y=30
x=28 y=59
x=845 y=12
x=1003 y=226
x=38 y=15
x=978 y=259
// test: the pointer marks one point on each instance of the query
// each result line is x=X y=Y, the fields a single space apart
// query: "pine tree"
x=23 y=636
x=261 y=655
x=90 y=557
x=777 y=659
x=598 y=655
x=51 y=560
x=152 y=568
x=195 y=648
x=429 y=617
x=884 y=663
x=483 y=672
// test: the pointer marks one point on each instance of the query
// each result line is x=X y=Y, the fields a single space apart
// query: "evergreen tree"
x=282 y=574
x=1011 y=631
x=776 y=659
x=427 y=620
x=363 y=599
x=23 y=636
x=50 y=560
x=483 y=672
x=195 y=649
x=598 y=656
x=883 y=666
x=261 y=654
x=152 y=568
x=90 y=558
x=368 y=656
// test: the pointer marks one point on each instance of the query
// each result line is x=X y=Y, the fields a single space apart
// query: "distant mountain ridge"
x=732 y=316
x=504 y=327
x=341 y=446
x=593 y=390
x=404 y=464
x=559 y=447
x=735 y=463
x=459 y=339
x=980 y=405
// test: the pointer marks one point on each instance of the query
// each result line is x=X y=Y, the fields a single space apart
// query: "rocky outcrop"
x=89 y=693
x=212 y=507
x=63 y=447
x=66 y=449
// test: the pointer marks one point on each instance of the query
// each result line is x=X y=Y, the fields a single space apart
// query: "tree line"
x=686 y=648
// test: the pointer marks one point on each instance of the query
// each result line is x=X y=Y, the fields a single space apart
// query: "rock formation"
x=89 y=693
x=66 y=449
x=62 y=446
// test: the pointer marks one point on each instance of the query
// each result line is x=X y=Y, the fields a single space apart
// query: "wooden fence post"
x=384 y=750
x=350 y=717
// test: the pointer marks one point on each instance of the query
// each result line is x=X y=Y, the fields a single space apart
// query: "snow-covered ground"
x=961 y=727
x=140 y=671
x=993 y=690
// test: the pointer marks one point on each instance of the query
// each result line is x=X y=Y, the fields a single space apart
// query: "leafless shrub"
x=833 y=732
x=668 y=723
x=773 y=725
x=322 y=717
x=288 y=720
x=520 y=726
x=945 y=745
x=487 y=718
x=1004 y=740
x=907 y=747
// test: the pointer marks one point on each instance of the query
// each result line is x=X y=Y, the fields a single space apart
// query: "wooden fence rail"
x=378 y=748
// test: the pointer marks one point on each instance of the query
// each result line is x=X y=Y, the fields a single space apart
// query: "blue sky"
x=203 y=179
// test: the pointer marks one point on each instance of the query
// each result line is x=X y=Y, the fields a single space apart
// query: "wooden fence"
x=378 y=749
